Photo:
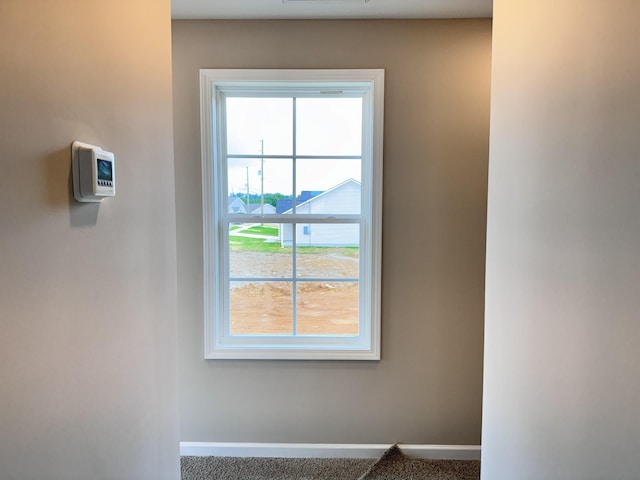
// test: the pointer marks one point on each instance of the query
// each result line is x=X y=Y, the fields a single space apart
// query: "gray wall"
x=428 y=386
x=562 y=383
x=87 y=293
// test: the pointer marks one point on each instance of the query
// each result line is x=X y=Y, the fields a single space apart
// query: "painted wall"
x=562 y=383
x=428 y=386
x=87 y=292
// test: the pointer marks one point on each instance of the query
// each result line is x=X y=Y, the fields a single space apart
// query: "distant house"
x=257 y=209
x=236 y=205
x=341 y=199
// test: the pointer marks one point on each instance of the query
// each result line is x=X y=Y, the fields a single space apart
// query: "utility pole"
x=247 y=208
x=261 y=177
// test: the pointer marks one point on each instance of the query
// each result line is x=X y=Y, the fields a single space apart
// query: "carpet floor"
x=392 y=465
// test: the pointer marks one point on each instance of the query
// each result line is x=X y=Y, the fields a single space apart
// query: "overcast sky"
x=325 y=126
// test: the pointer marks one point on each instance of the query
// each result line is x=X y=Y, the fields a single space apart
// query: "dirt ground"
x=329 y=308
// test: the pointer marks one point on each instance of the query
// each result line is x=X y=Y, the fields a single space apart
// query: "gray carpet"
x=235 y=468
x=396 y=465
x=393 y=464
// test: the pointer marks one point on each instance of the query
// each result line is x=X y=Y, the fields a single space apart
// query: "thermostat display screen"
x=105 y=170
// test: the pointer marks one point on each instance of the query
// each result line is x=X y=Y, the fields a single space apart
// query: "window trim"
x=220 y=345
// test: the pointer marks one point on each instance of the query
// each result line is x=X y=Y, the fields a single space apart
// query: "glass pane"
x=329 y=126
x=326 y=250
x=259 y=186
x=261 y=308
x=259 y=126
x=327 y=308
x=255 y=251
x=328 y=186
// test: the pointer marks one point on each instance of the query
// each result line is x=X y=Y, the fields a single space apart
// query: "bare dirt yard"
x=323 y=307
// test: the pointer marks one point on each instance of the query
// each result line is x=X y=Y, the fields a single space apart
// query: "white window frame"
x=219 y=343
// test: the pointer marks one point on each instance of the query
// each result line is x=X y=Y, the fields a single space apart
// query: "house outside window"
x=292 y=198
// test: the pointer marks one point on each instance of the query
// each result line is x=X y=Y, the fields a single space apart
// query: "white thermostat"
x=93 y=171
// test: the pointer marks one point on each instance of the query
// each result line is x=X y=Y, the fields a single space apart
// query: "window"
x=292 y=199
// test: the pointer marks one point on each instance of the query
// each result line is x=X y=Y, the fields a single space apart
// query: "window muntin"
x=335 y=214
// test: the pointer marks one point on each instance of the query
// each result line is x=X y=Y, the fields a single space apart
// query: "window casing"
x=352 y=222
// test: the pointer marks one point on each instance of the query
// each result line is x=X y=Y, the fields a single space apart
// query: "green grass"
x=262 y=230
x=345 y=251
x=238 y=244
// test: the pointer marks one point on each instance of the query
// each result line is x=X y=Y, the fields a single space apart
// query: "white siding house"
x=341 y=199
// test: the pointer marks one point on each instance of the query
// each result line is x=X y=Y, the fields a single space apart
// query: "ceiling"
x=282 y=9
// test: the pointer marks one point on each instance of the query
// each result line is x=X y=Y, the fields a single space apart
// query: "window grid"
x=260 y=218
x=214 y=85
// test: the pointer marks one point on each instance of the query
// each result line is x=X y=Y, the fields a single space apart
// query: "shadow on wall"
x=60 y=193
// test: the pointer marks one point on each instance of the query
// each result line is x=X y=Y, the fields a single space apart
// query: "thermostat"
x=93 y=171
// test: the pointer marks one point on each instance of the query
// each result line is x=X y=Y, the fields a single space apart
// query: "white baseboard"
x=325 y=450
